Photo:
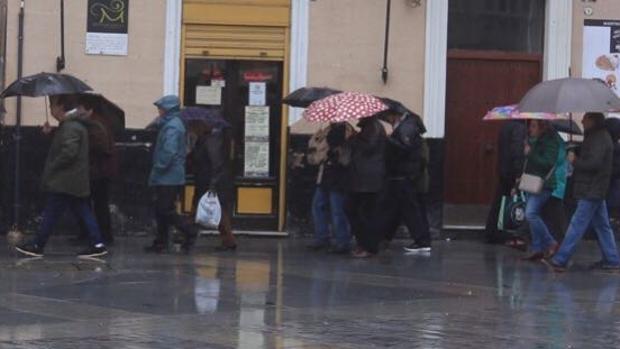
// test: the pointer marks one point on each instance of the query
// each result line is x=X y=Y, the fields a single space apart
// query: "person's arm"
x=593 y=159
x=72 y=137
x=544 y=154
x=172 y=139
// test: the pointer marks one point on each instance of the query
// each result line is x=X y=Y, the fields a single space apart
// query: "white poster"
x=258 y=93
x=257 y=123
x=256 y=159
x=601 y=51
x=106 y=44
x=208 y=95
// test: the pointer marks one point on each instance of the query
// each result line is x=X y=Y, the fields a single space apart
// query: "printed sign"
x=258 y=93
x=601 y=51
x=107 y=27
x=257 y=123
x=256 y=159
x=208 y=95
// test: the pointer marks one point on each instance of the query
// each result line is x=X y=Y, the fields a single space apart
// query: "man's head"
x=391 y=117
x=61 y=104
x=592 y=121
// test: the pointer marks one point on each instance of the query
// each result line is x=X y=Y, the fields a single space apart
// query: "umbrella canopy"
x=212 y=117
x=566 y=126
x=511 y=112
x=45 y=84
x=398 y=107
x=106 y=109
x=305 y=96
x=344 y=106
x=570 y=95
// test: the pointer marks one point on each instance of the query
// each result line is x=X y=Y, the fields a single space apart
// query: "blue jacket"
x=170 y=149
x=561 y=172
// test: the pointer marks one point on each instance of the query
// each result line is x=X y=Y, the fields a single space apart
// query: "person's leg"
x=369 y=234
x=606 y=239
x=164 y=203
x=578 y=225
x=178 y=221
x=225 y=228
x=320 y=218
x=339 y=220
x=351 y=207
x=391 y=212
x=55 y=206
x=101 y=206
x=541 y=237
x=82 y=208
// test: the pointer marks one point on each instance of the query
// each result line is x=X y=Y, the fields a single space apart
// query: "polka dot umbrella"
x=345 y=106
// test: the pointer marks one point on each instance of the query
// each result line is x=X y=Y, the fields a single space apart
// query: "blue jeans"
x=56 y=205
x=541 y=237
x=329 y=206
x=589 y=213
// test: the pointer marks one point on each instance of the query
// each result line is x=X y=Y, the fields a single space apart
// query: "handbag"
x=533 y=184
x=512 y=213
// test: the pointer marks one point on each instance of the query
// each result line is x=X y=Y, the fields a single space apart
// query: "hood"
x=169 y=103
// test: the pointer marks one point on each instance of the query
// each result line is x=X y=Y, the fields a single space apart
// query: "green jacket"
x=543 y=157
x=593 y=166
x=66 y=167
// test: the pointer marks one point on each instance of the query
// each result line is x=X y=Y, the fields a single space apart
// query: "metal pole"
x=18 y=116
x=385 y=70
x=60 y=61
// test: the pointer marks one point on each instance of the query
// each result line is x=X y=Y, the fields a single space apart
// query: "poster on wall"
x=257 y=123
x=601 y=51
x=256 y=159
x=107 y=27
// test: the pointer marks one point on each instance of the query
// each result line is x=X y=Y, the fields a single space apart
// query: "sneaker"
x=30 y=250
x=556 y=268
x=93 y=252
x=415 y=247
x=605 y=266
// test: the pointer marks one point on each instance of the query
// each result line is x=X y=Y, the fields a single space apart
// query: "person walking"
x=66 y=179
x=366 y=179
x=592 y=174
x=407 y=174
x=613 y=195
x=541 y=152
x=329 y=196
x=212 y=173
x=168 y=174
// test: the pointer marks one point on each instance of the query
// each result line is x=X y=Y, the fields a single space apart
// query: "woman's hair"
x=68 y=102
x=597 y=118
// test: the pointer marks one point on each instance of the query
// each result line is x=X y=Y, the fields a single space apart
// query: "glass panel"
x=504 y=25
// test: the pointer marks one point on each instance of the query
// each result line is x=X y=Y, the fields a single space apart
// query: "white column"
x=172 y=51
x=558 y=36
x=299 y=51
x=436 y=51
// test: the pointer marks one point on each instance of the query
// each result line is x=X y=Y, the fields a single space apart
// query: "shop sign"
x=107 y=27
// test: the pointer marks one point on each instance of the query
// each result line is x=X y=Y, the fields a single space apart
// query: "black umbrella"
x=304 y=96
x=107 y=109
x=566 y=126
x=397 y=107
x=45 y=84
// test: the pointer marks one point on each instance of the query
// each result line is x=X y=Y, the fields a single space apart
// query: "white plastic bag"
x=209 y=211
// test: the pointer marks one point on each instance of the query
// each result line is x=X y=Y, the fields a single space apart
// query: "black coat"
x=334 y=174
x=211 y=165
x=404 y=153
x=511 y=143
x=593 y=167
x=367 y=169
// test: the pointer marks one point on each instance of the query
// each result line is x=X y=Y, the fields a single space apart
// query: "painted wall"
x=346 y=40
x=132 y=81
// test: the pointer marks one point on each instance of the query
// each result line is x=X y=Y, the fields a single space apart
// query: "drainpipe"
x=385 y=70
x=18 y=116
x=60 y=61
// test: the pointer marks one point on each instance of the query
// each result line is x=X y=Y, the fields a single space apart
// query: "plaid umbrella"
x=344 y=106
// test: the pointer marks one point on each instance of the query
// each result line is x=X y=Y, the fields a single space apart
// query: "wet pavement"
x=275 y=294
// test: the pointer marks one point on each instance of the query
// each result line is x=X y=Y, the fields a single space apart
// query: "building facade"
x=240 y=57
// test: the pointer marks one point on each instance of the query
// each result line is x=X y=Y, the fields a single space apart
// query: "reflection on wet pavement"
x=275 y=294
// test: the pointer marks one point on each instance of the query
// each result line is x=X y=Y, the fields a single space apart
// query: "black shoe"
x=318 y=246
x=339 y=250
x=155 y=248
x=30 y=250
x=224 y=248
x=93 y=251
x=605 y=266
x=415 y=248
x=556 y=268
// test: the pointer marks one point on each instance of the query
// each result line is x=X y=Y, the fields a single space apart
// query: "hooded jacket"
x=593 y=167
x=170 y=148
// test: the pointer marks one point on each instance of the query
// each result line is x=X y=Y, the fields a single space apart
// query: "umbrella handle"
x=47 y=118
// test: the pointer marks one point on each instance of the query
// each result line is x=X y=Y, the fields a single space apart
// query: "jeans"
x=589 y=213
x=541 y=237
x=101 y=206
x=329 y=206
x=56 y=205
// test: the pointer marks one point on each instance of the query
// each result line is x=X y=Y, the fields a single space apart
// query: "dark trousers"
x=100 y=201
x=225 y=227
x=56 y=206
x=166 y=215
x=361 y=209
x=402 y=204
x=504 y=187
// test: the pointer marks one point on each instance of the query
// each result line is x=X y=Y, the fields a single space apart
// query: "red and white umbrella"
x=345 y=106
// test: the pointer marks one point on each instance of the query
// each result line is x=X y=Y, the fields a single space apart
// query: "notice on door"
x=208 y=95
x=258 y=93
x=107 y=27
x=601 y=51
x=257 y=123
x=256 y=162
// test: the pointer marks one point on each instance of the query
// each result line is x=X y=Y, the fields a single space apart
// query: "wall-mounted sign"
x=107 y=27
x=256 y=159
x=601 y=51
x=208 y=95
x=257 y=76
x=257 y=93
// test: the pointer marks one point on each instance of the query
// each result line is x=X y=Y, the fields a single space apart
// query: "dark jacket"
x=543 y=156
x=211 y=162
x=510 y=149
x=404 y=151
x=367 y=169
x=593 y=167
x=66 y=167
x=613 y=127
x=333 y=175
x=102 y=153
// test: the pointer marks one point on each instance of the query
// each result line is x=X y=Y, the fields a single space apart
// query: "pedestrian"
x=541 y=150
x=592 y=174
x=66 y=179
x=212 y=173
x=509 y=168
x=329 y=196
x=407 y=158
x=168 y=174
x=366 y=179
x=613 y=195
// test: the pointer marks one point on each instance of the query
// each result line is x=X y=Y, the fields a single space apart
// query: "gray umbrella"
x=570 y=95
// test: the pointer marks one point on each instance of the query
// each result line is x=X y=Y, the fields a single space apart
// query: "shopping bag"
x=512 y=213
x=209 y=212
